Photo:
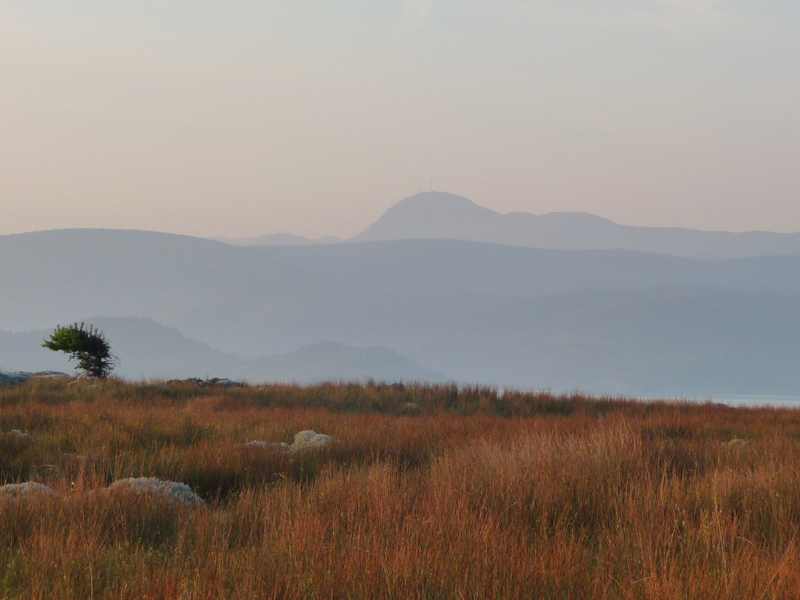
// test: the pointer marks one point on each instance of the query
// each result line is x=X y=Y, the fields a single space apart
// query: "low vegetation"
x=418 y=492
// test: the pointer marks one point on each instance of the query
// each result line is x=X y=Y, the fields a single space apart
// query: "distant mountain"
x=674 y=342
x=439 y=215
x=258 y=301
x=146 y=350
x=278 y=239
x=608 y=321
x=329 y=361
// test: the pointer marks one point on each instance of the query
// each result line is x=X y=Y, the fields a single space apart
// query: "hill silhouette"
x=440 y=215
x=330 y=361
x=607 y=321
x=277 y=239
x=148 y=350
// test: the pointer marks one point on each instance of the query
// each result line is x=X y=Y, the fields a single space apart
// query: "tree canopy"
x=86 y=344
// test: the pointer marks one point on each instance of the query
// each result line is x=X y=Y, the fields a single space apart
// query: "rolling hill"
x=439 y=215
x=147 y=350
x=611 y=321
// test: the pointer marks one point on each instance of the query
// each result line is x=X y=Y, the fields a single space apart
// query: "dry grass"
x=473 y=497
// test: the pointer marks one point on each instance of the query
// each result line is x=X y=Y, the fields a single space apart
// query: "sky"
x=250 y=117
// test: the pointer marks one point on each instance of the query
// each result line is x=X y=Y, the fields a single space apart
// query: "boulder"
x=304 y=440
x=8 y=379
x=310 y=439
x=177 y=493
x=19 y=491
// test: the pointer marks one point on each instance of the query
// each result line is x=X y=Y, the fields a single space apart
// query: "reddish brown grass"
x=474 y=497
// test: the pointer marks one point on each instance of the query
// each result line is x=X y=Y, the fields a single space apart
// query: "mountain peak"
x=439 y=215
x=429 y=215
x=439 y=199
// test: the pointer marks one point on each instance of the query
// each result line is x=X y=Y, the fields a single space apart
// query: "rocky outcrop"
x=8 y=379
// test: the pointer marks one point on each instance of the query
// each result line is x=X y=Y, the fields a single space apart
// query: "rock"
x=224 y=382
x=8 y=379
x=255 y=444
x=18 y=491
x=221 y=381
x=177 y=493
x=264 y=445
x=304 y=440
x=50 y=375
x=303 y=437
x=16 y=433
x=735 y=442
x=310 y=439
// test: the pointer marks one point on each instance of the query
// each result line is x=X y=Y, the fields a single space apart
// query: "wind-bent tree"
x=88 y=345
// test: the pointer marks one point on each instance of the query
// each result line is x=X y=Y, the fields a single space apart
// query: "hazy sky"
x=247 y=117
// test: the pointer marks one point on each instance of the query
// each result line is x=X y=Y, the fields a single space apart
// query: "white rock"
x=179 y=493
x=310 y=439
x=735 y=442
x=304 y=437
x=17 y=491
x=264 y=445
x=255 y=444
x=304 y=440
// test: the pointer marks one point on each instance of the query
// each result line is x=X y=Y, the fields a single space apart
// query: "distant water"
x=730 y=400
x=751 y=401
x=777 y=401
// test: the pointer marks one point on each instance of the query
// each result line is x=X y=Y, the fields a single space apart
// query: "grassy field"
x=470 y=496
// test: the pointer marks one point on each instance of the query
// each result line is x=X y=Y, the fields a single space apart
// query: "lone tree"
x=88 y=345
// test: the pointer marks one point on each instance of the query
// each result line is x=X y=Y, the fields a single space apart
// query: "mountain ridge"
x=445 y=216
x=606 y=321
x=441 y=215
x=149 y=350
